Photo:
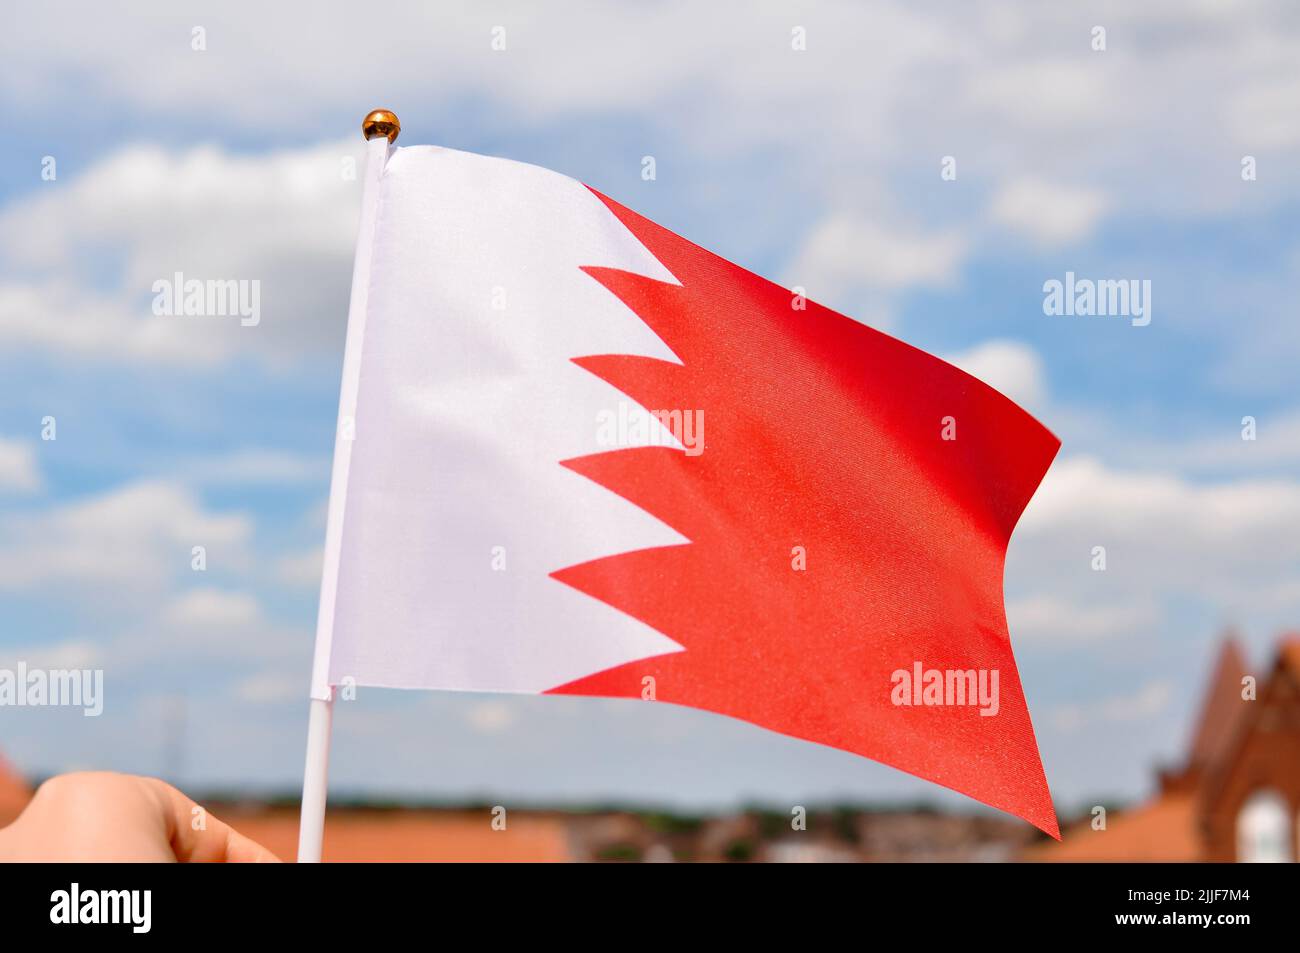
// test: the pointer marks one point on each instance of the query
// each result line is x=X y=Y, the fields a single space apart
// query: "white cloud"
x=53 y=314
x=1136 y=504
x=859 y=266
x=1029 y=90
x=1150 y=699
x=721 y=55
x=843 y=252
x=150 y=199
x=301 y=570
x=257 y=466
x=1013 y=368
x=1276 y=446
x=977 y=83
x=134 y=538
x=1047 y=213
x=1264 y=113
x=1015 y=90
x=286 y=219
x=194 y=629
x=74 y=653
x=1230 y=545
x=213 y=608
x=19 y=472
x=1051 y=620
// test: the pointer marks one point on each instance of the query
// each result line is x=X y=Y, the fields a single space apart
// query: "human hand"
x=101 y=816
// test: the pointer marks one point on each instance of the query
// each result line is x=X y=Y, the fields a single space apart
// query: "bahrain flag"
x=580 y=455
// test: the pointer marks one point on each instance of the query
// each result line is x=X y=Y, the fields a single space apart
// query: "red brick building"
x=1236 y=797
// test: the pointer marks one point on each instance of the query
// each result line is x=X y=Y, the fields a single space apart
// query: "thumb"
x=213 y=842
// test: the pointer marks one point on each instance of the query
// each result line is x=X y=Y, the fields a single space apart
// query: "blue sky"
x=818 y=168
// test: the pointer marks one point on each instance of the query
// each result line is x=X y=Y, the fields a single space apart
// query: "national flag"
x=579 y=454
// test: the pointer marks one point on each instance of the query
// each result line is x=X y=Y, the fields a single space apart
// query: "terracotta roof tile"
x=1161 y=830
x=1221 y=707
x=411 y=835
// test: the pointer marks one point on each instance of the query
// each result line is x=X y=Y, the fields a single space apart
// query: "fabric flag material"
x=588 y=457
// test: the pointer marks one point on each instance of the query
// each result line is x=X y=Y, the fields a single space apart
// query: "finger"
x=212 y=841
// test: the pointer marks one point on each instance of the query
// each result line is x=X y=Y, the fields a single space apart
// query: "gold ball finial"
x=381 y=122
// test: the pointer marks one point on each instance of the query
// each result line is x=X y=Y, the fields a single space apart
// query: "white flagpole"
x=380 y=129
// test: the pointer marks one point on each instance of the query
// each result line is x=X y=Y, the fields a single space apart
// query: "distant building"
x=1236 y=797
x=403 y=835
